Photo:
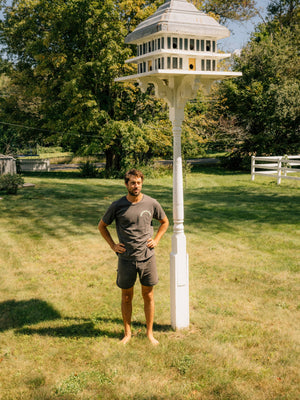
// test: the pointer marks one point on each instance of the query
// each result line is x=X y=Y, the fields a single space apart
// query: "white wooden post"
x=179 y=267
x=285 y=165
x=252 y=168
x=279 y=171
x=177 y=91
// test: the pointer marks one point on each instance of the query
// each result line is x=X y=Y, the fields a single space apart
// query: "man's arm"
x=164 y=224
x=117 y=248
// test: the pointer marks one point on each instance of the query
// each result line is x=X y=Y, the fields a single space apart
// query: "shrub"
x=88 y=170
x=10 y=183
x=237 y=161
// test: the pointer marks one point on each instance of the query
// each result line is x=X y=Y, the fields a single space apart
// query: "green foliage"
x=88 y=170
x=134 y=12
x=67 y=54
x=10 y=183
x=264 y=103
x=9 y=140
x=284 y=12
x=236 y=160
x=235 y=9
x=49 y=149
x=13 y=113
x=183 y=364
x=155 y=170
x=134 y=105
x=158 y=136
x=194 y=132
x=124 y=144
x=77 y=382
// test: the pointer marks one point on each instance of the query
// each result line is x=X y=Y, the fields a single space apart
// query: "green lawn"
x=60 y=320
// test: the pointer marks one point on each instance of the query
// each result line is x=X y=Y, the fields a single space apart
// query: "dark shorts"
x=128 y=270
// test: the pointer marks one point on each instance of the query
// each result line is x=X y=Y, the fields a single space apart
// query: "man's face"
x=134 y=185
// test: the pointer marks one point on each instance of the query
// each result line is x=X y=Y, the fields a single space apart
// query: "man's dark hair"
x=134 y=172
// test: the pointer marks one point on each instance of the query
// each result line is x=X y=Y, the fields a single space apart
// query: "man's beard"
x=134 y=192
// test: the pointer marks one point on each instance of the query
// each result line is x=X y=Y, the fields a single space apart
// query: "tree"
x=133 y=12
x=284 y=12
x=126 y=144
x=64 y=57
x=67 y=54
x=19 y=119
x=265 y=101
x=194 y=129
x=231 y=10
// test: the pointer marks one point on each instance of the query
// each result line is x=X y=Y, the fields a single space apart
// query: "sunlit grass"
x=60 y=320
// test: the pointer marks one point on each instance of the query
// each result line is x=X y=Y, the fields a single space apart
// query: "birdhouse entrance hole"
x=192 y=64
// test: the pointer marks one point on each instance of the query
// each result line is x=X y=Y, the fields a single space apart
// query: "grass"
x=57 y=155
x=65 y=158
x=60 y=320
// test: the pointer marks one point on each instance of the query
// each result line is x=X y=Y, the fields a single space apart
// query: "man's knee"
x=147 y=293
x=127 y=295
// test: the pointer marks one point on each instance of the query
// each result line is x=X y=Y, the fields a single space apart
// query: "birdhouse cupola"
x=177 y=39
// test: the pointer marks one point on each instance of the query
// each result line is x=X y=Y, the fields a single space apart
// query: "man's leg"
x=148 y=296
x=126 y=306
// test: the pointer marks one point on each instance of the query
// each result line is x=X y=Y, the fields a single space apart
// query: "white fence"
x=277 y=167
x=34 y=164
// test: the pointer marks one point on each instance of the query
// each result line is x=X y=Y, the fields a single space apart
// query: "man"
x=133 y=214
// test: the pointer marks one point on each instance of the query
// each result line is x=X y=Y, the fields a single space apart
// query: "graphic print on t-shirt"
x=145 y=212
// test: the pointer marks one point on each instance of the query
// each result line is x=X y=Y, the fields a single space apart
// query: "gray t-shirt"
x=134 y=224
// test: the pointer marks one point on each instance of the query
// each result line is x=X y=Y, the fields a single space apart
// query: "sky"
x=241 y=31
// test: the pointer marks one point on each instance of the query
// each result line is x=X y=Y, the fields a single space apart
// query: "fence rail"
x=275 y=166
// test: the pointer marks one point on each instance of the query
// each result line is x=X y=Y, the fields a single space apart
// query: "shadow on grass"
x=88 y=329
x=223 y=208
x=54 y=174
x=58 y=207
x=215 y=170
x=15 y=314
x=136 y=324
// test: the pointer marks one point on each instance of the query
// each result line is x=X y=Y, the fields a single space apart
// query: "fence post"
x=285 y=165
x=252 y=168
x=279 y=171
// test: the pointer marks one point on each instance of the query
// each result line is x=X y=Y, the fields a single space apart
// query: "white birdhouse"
x=178 y=39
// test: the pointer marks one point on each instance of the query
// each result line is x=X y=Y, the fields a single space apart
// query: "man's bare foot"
x=125 y=339
x=152 y=340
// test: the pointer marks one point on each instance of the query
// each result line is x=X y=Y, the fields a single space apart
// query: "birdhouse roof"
x=178 y=17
